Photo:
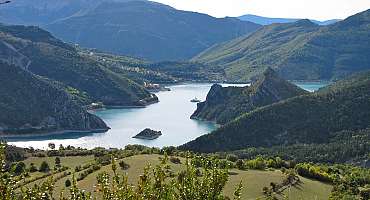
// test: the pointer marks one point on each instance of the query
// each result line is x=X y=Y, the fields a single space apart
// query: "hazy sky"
x=313 y=9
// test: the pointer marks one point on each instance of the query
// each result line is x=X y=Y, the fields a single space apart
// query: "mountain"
x=307 y=119
x=31 y=104
x=39 y=52
x=225 y=104
x=42 y=12
x=297 y=51
x=136 y=28
x=188 y=71
x=268 y=20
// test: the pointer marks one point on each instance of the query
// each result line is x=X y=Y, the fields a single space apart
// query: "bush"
x=175 y=160
x=44 y=167
x=57 y=162
x=33 y=168
x=239 y=164
x=88 y=171
x=258 y=163
x=19 y=168
x=315 y=172
x=124 y=165
x=232 y=157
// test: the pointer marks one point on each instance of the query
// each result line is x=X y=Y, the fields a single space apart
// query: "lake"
x=171 y=116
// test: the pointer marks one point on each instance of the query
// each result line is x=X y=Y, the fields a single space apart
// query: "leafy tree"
x=67 y=183
x=239 y=164
x=33 y=168
x=57 y=162
x=44 y=167
x=19 y=168
x=232 y=157
x=51 y=146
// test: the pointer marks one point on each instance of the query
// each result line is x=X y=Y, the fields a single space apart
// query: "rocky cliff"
x=31 y=104
x=225 y=104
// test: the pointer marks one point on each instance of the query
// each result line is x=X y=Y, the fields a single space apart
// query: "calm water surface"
x=171 y=116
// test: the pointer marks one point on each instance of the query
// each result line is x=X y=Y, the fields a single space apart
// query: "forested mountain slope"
x=297 y=51
x=31 y=104
x=306 y=119
x=47 y=56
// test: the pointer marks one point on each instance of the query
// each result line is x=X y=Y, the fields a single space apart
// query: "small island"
x=148 y=134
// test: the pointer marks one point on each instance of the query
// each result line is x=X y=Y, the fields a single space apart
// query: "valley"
x=140 y=100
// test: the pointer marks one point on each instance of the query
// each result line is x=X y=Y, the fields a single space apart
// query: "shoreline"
x=61 y=132
x=122 y=107
x=204 y=120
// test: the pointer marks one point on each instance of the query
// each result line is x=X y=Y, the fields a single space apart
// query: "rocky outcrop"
x=225 y=104
x=148 y=134
x=31 y=104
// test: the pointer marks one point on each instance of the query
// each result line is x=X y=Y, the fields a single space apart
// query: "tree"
x=19 y=168
x=232 y=157
x=57 y=162
x=239 y=164
x=51 y=146
x=44 y=167
x=33 y=168
x=68 y=183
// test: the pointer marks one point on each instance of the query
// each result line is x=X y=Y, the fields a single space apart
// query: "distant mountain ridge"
x=297 y=51
x=307 y=119
x=269 y=20
x=225 y=104
x=136 y=28
x=42 y=12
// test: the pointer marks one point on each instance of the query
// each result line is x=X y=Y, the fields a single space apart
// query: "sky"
x=311 y=9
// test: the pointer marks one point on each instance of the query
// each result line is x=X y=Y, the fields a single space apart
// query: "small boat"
x=195 y=100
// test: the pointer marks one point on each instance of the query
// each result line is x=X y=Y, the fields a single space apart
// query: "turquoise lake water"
x=171 y=116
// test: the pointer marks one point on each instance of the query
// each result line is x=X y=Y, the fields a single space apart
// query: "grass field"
x=253 y=180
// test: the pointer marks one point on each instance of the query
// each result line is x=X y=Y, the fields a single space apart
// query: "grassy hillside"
x=304 y=119
x=253 y=180
x=137 y=171
x=300 y=50
x=51 y=58
x=148 y=30
x=31 y=104
x=225 y=104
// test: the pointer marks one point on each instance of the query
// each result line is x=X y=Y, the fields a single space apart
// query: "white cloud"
x=313 y=9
